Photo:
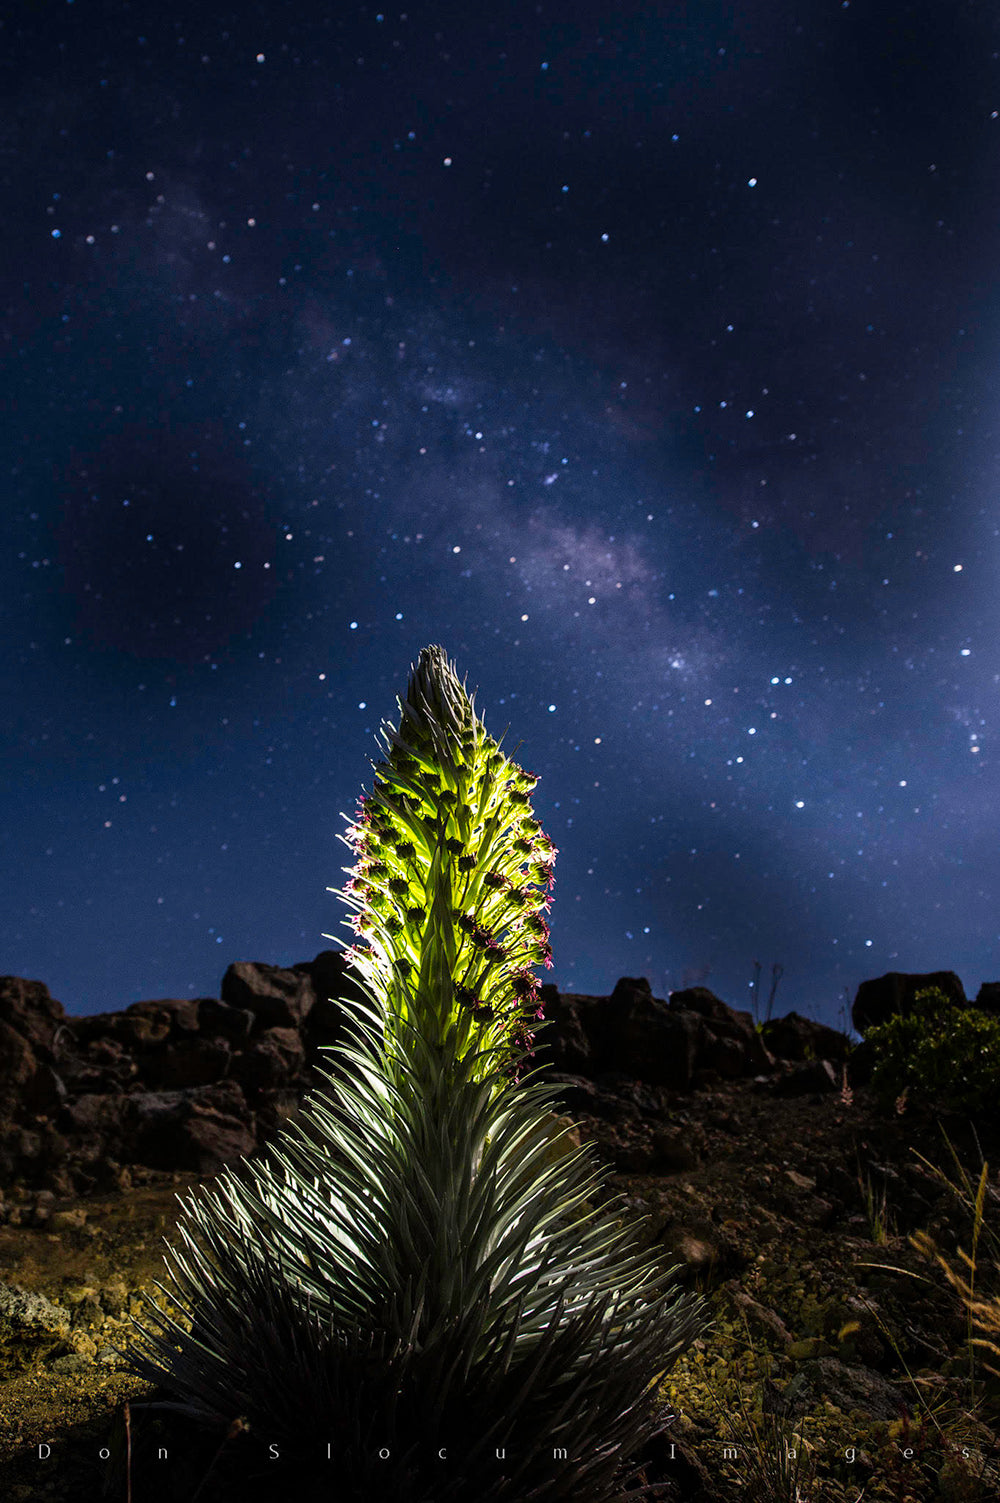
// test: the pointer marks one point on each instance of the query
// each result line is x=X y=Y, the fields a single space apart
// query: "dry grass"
x=953 y=1438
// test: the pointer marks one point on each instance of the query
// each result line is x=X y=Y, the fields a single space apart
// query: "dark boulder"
x=988 y=998
x=196 y=1130
x=672 y=1152
x=47 y=1093
x=567 y=1039
x=614 y=1097
x=130 y=1030
x=893 y=995
x=17 y=1067
x=855 y=1389
x=271 y=1060
x=104 y=1064
x=338 y=989
x=219 y=1020
x=648 y=1040
x=128 y=1087
x=169 y=1016
x=689 y=1041
x=27 y=1008
x=95 y=1115
x=30 y=1020
x=723 y=1058
x=731 y=1047
x=332 y=976
x=191 y=1062
x=708 y=1006
x=278 y=998
x=798 y=1038
x=582 y=1095
x=861 y=1064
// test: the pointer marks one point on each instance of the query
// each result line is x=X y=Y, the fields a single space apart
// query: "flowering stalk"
x=452 y=879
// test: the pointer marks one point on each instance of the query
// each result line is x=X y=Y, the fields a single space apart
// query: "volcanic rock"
x=17 y=1066
x=27 y=1008
x=29 y=1021
x=192 y=1062
x=795 y=1037
x=189 y=1084
x=199 y=1129
x=23 y=1308
x=219 y=1019
x=855 y=1390
x=666 y=1043
x=893 y=995
x=650 y=1041
x=274 y=1059
x=277 y=998
x=988 y=998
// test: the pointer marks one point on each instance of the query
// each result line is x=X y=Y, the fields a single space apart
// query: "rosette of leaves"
x=408 y=1282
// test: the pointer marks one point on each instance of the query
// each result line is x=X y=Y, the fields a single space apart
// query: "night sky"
x=642 y=355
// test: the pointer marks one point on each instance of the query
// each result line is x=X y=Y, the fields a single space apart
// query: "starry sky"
x=641 y=354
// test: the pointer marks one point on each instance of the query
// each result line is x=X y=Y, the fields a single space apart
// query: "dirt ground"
x=62 y=1391
x=791 y=1216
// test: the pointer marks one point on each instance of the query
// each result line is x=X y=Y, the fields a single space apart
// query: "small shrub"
x=939 y=1053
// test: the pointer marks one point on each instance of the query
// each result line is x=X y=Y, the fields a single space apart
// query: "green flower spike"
x=410 y=1296
x=448 y=836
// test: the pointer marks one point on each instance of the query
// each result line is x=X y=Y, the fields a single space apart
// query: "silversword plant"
x=410 y=1281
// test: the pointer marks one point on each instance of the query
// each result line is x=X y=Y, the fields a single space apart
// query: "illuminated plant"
x=453 y=877
x=939 y=1053
x=410 y=1270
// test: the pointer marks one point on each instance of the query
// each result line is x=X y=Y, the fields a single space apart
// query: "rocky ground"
x=770 y=1177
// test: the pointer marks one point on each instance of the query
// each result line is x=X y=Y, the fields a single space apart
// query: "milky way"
x=646 y=364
